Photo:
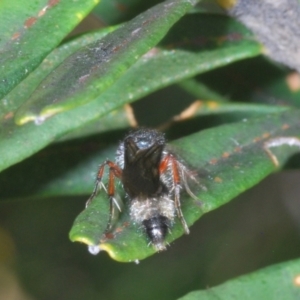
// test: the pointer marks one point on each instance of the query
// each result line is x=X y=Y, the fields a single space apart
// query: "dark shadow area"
x=252 y=80
x=27 y=177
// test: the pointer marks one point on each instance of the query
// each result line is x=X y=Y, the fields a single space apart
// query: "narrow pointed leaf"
x=235 y=111
x=30 y=31
x=276 y=282
x=201 y=91
x=115 y=12
x=22 y=91
x=88 y=72
x=229 y=160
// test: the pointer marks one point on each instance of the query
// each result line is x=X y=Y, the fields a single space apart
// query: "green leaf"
x=91 y=70
x=229 y=160
x=200 y=90
x=276 y=282
x=238 y=110
x=29 y=33
x=114 y=12
x=157 y=69
x=23 y=90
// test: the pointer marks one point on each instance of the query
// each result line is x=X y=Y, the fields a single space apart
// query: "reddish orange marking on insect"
x=117 y=171
x=213 y=161
x=285 y=126
x=176 y=176
x=52 y=2
x=237 y=149
x=266 y=135
x=111 y=184
x=100 y=172
x=29 y=22
x=164 y=164
x=225 y=154
x=218 y=179
x=297 y=280
x=16 y=35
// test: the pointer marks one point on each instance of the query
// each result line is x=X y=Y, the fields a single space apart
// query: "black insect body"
x=152 y=178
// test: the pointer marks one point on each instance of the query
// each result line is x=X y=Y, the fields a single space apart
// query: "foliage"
x=64 y=106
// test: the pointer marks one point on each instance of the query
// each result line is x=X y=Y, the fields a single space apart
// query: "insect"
x=152 y=178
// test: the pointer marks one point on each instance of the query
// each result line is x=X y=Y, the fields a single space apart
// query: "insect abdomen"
x=156 y=216
x=156 y=229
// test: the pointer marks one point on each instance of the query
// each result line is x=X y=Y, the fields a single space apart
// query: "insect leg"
x=98 y=183
x=170 y=159
x=114 y=171
x=185 y=175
